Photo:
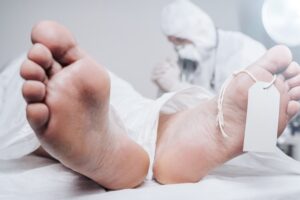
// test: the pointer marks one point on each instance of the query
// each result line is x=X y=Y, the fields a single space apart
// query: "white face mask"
x=200 y=62
x=188 y=51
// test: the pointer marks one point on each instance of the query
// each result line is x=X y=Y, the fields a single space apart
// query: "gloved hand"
x=166 y=76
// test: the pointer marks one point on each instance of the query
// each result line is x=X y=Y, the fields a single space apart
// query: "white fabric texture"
x=16 y=137
x=250 y=176
x=183 y=19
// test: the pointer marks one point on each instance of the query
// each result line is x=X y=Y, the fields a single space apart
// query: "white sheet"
x=12 y=114
x=251 y=176
x=33 y=177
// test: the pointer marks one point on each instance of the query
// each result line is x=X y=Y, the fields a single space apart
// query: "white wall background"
x=123 y=35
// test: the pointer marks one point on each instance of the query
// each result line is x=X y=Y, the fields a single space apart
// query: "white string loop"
x=220 y=115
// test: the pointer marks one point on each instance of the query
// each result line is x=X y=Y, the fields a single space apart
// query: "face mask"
x=198 y=64
x=188 y=61
x=188 y=51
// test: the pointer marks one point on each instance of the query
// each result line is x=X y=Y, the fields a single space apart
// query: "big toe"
x=58 y=39
x=276 y=59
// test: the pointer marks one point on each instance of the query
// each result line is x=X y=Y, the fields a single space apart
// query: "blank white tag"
x=262 y=118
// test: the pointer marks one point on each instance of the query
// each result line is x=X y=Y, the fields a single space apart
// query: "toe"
x=41 y=55
x=293 y=108
x=37 y=115
x=276 y=59
x=294 y=82
x=294 y=93
x=58 y=39
x=292 y=70
x=281 y=77
x=34 y=91
x=32 y=71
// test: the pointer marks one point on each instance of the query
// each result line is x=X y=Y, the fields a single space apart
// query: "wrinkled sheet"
x=33 y=177
x=250 y=176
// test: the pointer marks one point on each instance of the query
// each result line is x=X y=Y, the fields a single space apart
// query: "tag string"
x=220 y=115
x=271 y=83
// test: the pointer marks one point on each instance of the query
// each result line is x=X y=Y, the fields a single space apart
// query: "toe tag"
x=262 y=114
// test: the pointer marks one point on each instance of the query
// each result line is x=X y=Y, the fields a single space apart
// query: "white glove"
x=166 y=76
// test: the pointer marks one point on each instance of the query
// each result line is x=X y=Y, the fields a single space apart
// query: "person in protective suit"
x=206 y=55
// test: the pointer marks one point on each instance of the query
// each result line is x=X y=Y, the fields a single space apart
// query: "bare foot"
x=190 y=144
x=68 y=108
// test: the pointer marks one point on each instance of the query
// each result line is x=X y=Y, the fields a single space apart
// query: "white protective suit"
x=220 y=52
x=250 y=176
